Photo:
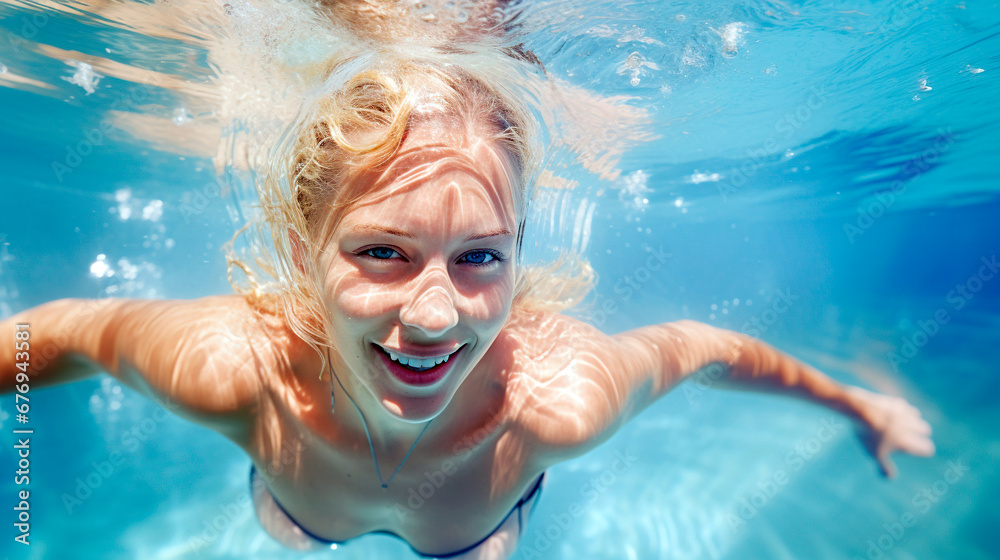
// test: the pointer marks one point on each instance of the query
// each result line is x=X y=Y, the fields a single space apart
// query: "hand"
x=895 y=425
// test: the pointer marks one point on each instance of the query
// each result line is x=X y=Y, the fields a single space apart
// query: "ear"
x=298 y=250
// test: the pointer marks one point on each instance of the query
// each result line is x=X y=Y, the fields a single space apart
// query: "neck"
x=386 y=430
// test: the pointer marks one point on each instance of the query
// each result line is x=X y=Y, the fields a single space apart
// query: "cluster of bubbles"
x=732 y=37
x=725 y=307
x=84 y=76
x=107 y=399
x=633 y=190
x=123 y=278
x=634 y=66
x=127 y=206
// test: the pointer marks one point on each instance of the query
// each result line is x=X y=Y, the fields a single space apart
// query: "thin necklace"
x=365 y=424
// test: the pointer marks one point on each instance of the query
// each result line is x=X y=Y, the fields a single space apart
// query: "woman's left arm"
x=620 y=375
x=683 y=348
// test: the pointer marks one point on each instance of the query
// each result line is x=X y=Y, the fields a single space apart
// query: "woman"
x=406 y=348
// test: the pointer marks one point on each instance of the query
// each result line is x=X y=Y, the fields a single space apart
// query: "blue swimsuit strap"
x=517 y=507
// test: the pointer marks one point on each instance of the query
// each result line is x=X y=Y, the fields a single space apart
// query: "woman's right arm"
x=59 y=336
x=200 y=358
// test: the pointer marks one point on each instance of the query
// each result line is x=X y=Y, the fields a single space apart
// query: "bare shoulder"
x=211 y=356
x=556 y=380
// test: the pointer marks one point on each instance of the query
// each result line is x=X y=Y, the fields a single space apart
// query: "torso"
x=466 y=473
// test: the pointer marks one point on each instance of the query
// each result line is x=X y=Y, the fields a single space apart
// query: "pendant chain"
x=368 y=435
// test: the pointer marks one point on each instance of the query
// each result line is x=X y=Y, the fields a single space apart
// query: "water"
x=819 y=175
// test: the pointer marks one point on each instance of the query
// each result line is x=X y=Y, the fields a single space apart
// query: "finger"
x=888 y=467
x=884 y=461
x=916 y=444
x=921 y=426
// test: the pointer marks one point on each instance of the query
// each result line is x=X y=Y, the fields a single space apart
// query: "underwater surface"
x=821 y=175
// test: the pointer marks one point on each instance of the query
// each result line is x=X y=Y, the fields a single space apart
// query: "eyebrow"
x=377 y=228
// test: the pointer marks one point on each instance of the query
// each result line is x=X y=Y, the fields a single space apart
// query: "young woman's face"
x=422 y=270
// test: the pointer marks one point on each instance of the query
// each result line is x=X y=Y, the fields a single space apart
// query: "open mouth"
x=416 y=364
x=416 y=371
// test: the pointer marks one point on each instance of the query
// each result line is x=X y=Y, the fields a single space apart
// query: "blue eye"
x=381 y=253
x=481 y=258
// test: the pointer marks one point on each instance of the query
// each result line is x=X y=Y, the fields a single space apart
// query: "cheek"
x=349 y=296
x=362 y=300
x=491 y=303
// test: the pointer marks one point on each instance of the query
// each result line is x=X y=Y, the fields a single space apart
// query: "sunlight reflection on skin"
x=552 y=390
x=442 y=188
x=423 y=208
x=439 y=194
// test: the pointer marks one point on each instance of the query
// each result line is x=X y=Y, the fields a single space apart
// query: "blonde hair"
x=307 y=185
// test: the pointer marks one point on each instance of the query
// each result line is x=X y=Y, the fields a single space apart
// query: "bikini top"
x=529 y=496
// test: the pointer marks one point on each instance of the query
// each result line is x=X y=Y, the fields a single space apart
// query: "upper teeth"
x=417 y=362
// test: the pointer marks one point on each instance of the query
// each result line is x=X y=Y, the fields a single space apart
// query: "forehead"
x=444 y=175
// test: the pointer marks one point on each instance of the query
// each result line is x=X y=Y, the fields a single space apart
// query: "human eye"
x=482 y=257
x=380 y=253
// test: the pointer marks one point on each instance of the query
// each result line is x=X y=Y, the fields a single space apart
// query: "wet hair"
x=363 y=124
x=358 y=122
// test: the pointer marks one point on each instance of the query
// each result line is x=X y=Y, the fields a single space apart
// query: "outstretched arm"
x=615 y=377
x=686 y=347
x=55 y=341
x=192 y=356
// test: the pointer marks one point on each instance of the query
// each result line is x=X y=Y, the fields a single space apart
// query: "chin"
x=415 y=409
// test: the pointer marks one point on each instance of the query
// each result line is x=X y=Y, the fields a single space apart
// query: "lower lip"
x=417 y=378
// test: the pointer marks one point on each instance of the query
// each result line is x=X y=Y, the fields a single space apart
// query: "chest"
x=457 y=481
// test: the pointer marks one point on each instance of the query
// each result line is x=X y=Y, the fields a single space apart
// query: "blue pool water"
x=821 y=175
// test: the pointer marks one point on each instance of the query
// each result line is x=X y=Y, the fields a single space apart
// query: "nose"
x=431 y=309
